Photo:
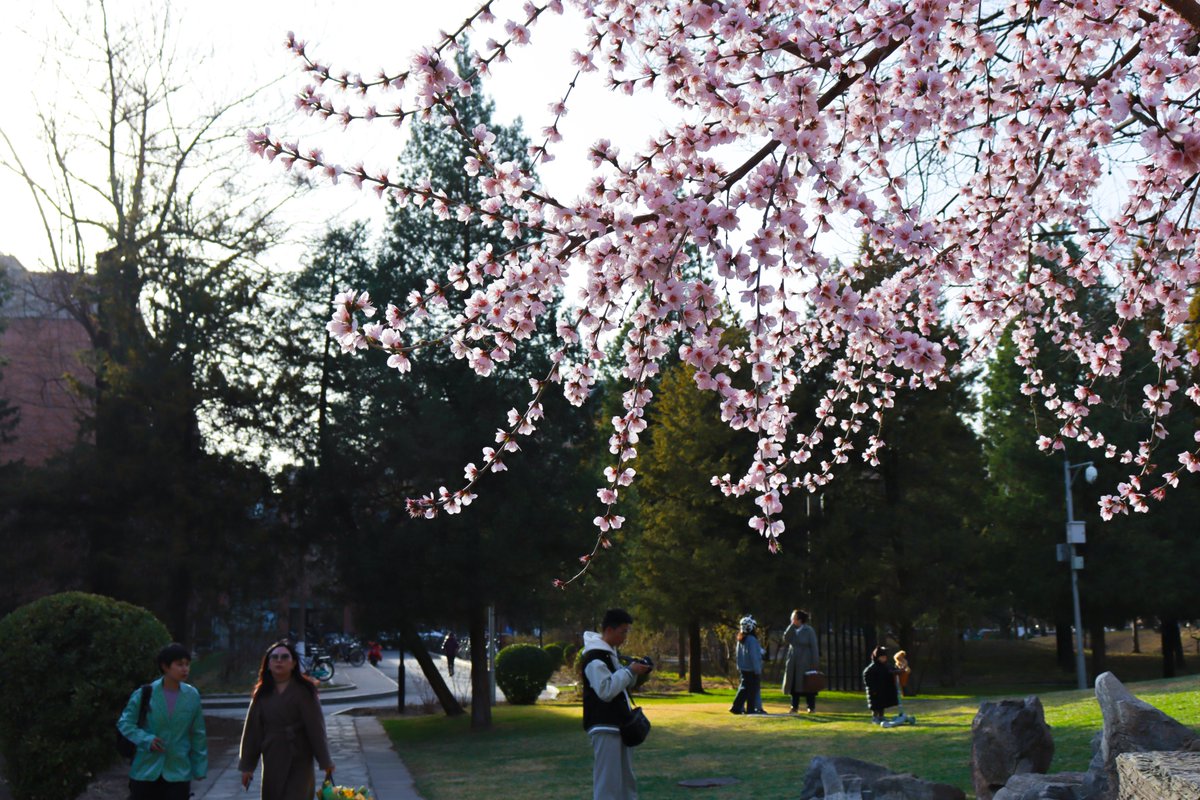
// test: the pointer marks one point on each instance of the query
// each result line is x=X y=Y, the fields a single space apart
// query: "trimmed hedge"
x=522 y=671
x=569 y=654
x=68 y=664
x=555 y=649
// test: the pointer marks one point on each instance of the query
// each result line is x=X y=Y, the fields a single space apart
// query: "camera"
x=627 y=660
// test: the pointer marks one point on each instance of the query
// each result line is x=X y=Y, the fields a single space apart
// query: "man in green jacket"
x=172 y=747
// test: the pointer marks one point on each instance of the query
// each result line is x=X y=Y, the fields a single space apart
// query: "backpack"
x=126 y=748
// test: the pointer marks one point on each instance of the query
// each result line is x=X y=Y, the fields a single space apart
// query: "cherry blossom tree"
x=971 y=139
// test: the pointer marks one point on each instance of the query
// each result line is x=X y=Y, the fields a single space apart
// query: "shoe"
x=734 y=711
x=794 y=710
x=809 y=710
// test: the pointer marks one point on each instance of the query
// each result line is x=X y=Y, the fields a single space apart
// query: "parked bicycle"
x=317 y=663
x=346 y=648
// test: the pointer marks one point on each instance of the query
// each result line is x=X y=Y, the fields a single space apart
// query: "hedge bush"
x=68 y=664
x=555 y=649
x=569 y=654
x=522 y=671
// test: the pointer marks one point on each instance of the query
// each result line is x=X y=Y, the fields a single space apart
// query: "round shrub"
x=68 y=664
x=522 y=671
x=569 y=654
x=555 y=649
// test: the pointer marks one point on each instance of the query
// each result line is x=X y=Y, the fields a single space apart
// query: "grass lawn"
x=542 y=751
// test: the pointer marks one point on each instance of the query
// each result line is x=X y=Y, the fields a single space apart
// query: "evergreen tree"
x=692 y=560
x=381 y=438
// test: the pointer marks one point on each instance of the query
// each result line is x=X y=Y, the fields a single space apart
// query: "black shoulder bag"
x=126 y=748
x=636 y=727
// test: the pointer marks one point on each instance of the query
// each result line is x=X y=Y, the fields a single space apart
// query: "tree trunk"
x=1099 y=649
x=481 y=685
x=413 y=643
x=1064 y=645
x=695 y=683
x=682 y=653
x=1172 y=647
x=1137 y=647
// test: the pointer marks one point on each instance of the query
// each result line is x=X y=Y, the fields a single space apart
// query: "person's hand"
x=329 y=773
x=638 y=668
x=157 y=745
x=246 y=776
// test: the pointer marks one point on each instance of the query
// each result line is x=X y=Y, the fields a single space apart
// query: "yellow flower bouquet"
x=330 y=792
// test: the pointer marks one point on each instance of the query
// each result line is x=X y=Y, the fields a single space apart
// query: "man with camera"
x=606 y=705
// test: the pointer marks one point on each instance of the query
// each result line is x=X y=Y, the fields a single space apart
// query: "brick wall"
x=42 y=345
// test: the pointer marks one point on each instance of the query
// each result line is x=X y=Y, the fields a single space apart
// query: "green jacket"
x=186 y=755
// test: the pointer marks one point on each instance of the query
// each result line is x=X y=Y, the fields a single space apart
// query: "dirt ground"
x=224 y=734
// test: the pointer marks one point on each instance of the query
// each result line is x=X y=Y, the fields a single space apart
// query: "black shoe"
x=734 y=711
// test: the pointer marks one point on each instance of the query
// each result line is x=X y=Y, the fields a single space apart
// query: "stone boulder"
x=827 y=776
x=1130 y=726
x=1008 y=738
x=1031 y=786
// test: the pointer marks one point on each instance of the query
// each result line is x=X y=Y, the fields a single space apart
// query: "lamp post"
x=1075 y=536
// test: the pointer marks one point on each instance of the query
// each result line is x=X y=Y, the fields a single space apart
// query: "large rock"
x=1152 y=776
x=1009 y=737
x=1031 y=786
x=823 y=778
x=910 y=787
x=827 y=777
x=1130 y=726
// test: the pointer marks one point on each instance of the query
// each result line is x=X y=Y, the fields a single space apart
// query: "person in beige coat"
x=285 y=727
x=802 y=656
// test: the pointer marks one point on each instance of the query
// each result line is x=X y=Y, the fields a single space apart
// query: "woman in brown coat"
x=802 y=656
x=285 y=726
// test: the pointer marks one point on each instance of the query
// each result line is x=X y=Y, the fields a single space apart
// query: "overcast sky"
x=245 y=42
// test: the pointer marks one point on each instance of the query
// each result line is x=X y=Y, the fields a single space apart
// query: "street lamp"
x=1066 y=552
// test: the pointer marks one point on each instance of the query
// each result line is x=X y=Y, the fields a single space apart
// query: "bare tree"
x=157 y=234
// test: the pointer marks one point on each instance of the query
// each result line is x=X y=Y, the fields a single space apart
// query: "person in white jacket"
x=606 y=705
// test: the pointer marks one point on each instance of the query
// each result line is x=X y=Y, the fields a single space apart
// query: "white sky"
x=246 y=44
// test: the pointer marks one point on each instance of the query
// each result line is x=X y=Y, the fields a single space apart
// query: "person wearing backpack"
x=171 y=743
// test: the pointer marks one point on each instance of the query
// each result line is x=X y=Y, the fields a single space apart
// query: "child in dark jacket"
x=880 y=681
x=750 y=664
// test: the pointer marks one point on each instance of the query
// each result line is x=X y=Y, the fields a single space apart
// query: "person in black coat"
x=880 y=681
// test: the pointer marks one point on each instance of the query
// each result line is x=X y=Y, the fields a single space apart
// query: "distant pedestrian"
x=803 y=656
x=882 y=686
x=450 y=649
x=606 y=705
x=285 y=727
x=172 y=747
x=750 y=665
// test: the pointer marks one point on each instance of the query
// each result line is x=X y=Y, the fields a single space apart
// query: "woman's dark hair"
x=879 y=651
x=266 y=681
x=172 y=653
x=803 y=615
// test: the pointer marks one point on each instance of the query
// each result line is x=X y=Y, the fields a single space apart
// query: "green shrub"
x=522 y=671
x=569 y=654
x=555 y=649
x=68 y=664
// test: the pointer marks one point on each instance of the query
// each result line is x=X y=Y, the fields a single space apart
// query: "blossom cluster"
x=967 y=139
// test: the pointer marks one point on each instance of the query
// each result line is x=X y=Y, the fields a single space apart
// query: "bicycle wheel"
x=356 y=657
x=322 y=670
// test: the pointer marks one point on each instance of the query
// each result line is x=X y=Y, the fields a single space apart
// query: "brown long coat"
x=287 y=729
x=802 y=656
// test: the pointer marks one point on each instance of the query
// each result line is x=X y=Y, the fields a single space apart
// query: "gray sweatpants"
x=612 y=774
